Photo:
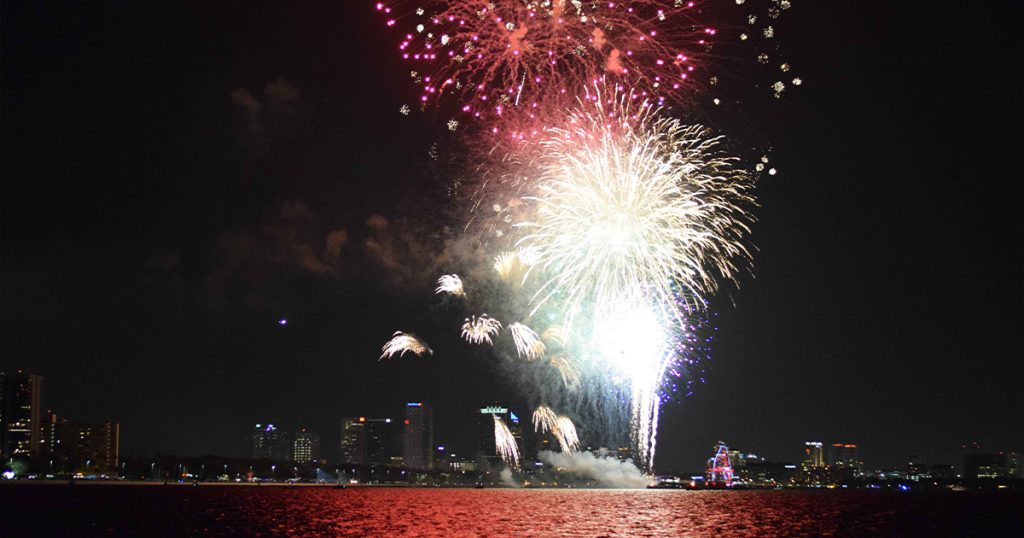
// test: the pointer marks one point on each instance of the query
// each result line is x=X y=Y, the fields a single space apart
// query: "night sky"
x=176 y=179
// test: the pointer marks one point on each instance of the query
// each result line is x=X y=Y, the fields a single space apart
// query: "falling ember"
x=504 y=443
x=555 y=334
x=567 y=370
x=561 y=427
x=567 y=437
x=402 y=343
x=450 y=284
x=477 y=330
x=528 y=344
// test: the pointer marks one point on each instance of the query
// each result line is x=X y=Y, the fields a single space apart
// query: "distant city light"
x=282 y=321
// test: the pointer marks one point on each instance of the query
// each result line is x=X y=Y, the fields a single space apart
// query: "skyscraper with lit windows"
x=418 y=436
x=20 y=406
x=306 y=447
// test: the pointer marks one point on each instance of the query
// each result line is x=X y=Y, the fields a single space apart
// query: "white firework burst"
x=450 y=284
x=477 y=330
x=628 y=201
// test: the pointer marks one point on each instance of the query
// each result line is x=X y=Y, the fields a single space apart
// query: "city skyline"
x=410 y=443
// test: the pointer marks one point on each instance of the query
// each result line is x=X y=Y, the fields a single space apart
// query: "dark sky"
x=175 y=179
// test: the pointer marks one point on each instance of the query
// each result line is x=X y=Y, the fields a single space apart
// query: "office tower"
x=379 y=441
x=485 y=428
x=843 y=455
x=87 y=447
x=306 y=447
x=418 y=436
x=812 y=455
x=20 y=403
x=268 y=442
x=367 y=441
x=353 y=440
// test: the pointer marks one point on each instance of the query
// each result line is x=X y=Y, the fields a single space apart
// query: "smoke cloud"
x=506 y=478
x=608 y=471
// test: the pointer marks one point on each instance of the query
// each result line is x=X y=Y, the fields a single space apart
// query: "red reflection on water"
x=112 y=510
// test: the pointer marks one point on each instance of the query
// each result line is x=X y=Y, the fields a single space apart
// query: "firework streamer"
x=402 y=343
x=450 y=284
x=504 y=443
x=528 y=344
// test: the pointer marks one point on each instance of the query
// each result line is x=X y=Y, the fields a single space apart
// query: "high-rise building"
x=89 y=447
x=306 y=447
x=843 y=455
x=353 y=440
x=367 y=441
x=20 y=405
x=813 y=458
x=379 y=441
x=485 y=429
x=418 y=436
x=269 y=442
x=812 y=467
x=517 y=432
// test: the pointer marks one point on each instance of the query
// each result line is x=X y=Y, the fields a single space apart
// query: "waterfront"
x=124 y=510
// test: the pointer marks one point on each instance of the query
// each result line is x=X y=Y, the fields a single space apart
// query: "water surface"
x=117 y=510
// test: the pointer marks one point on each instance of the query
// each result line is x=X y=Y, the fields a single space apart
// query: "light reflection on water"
x=299 y=511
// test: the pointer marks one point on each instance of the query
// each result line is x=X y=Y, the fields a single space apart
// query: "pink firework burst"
x=508 y=62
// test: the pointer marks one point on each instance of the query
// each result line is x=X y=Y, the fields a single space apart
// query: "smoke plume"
x=609 y=472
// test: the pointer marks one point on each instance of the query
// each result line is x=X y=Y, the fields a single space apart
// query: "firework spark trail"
x=555 y=334
x=544 y=419
x=450 y=284
x=402 y=343
x=561 y=427
x=528 y=344
x=567 y=370
x=477 y=330
x=567 y=437
x=504 y=443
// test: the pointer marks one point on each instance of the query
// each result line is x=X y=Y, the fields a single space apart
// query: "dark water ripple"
x=283 y=511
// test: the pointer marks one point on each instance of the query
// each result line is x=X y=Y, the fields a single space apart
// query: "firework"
x=561 y=427
x=528 y=344
x=566 y=369
x=567 y=437
x=477 y=330
x=450 y=284
x=555 y=335
x=503 y=57
x=504 y=443
x=544 y=419
x=629 y=202
x=515 y=64
x=402 y=343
